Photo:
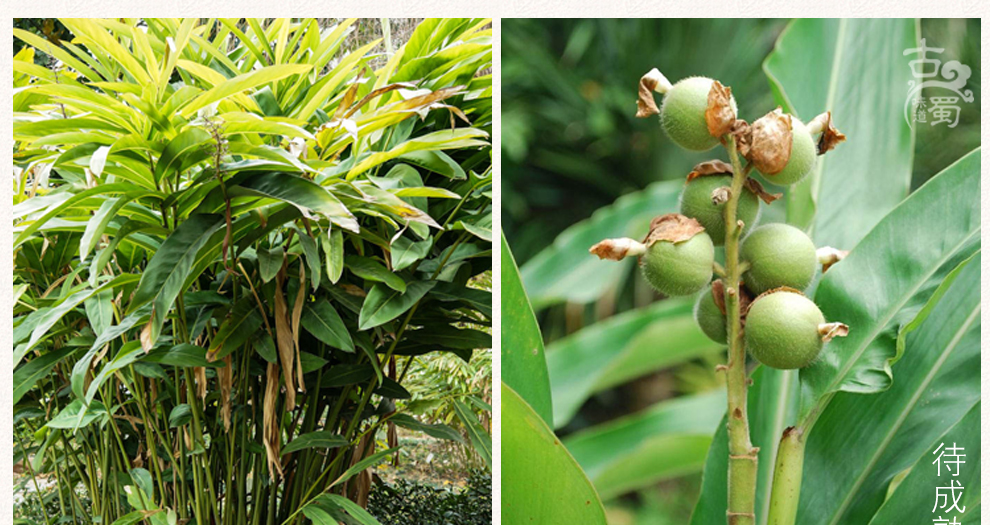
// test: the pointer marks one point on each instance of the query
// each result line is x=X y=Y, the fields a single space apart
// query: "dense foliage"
x=231 y=241
x=410 y=503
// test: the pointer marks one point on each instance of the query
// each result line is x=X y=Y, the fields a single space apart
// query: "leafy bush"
x=231 y=239
x=409 y=503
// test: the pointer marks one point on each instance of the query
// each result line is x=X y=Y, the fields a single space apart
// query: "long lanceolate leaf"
x=885 y=273
x=164 y=278
x=864 y=83
x=937 y=381
x=481 y=440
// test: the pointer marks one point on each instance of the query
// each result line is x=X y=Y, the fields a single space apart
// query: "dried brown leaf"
x=199 y=373
x=225 y=376
x=652 y=81
x=672 y=227
x=283 y=338
x=830 y=331
x=754 y=186
x=718 y=295
x=710 y=167
x=617 y=249
x=770 y=142
x=297 y=309
x=354 y=290
x=145 y=335
x=719 y=115
x=271 y=432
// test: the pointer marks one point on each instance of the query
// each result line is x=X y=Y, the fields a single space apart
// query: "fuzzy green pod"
x=802 y=159
x=709 y=317
x=778 y=255
x=696 y=202
x=682 y=114
x=679 y=268
x=782 y=330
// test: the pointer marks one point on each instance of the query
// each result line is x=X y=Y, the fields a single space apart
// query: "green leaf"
x=667 y=440
x=439 y=431
x=438 y=140
x=565 y=271
x=480 y=438
x=342 y=375
x=541 y=482
x=333 y=246
x=937 y=382
x=164 y=277
x=405 y=252
x=450 y=337
x=372 y=270
x=180 y=415
x=240 y=83
x=301 y=193
x=524 y=367
x=185 y=150
x=382 y=304
x=836 y=203
x=869 y=288
x=437 y=162
x=320 y=439
x=243 y=321
x=367 y=462
x=915 y=494
x=312 y=255
x=183 y=355
x=270 y=262
x=323 y=321
x=99 y=311
x=28 y=374
x=622 y=348
x=76 y=415
x=356 y=511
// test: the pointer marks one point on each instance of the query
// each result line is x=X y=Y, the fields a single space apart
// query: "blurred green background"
x=571 y=145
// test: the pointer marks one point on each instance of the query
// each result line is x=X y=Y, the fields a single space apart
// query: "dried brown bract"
x=709 y=167
x=617 y=249
x=829 y=331
x=754 y=186
x=831 y=137
x=828 y=256
x=770 y=142
x=719 y=116
x=672 y=227
x=650 y=82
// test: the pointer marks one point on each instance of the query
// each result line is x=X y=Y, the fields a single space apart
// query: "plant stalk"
x=742 y=455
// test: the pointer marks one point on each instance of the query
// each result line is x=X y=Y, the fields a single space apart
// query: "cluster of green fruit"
x=782 y=328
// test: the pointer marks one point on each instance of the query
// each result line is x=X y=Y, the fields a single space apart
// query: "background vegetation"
x=234 y=240
x=634 y=393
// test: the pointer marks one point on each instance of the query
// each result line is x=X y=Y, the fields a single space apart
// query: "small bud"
x=618 y=249
x=721 y=195
x=829 y=331
x=651 y=81
x=827 y=256
x=770 y=142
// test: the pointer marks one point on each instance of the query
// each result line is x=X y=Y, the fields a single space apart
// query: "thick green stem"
x=787 y=478
x=742 y=454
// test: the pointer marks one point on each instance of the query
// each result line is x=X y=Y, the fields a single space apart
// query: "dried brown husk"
x=296 y=316
x=719 y=116
x=709 y=167
x=225 y=376
x=718 y=294
x=831 y=137
x=754 y=186
x=672 y=227
x=271 y=433
x=283 y=339
x=769 y=146
x=828 y=256
x=200 y=374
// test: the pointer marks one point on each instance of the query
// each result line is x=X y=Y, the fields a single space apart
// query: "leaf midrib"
x=905 y=412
